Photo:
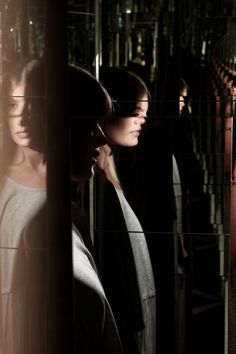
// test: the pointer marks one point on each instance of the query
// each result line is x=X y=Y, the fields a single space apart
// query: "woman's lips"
x=23 y=134
x=136 y=133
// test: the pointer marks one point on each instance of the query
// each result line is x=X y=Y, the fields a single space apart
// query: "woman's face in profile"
x=125 y=131
x=233 y=90
x=182 y=95
x=24 y=114
x=86 y=138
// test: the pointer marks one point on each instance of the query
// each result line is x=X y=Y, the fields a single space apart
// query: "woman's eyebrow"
x=139 y=109
x=139 y=114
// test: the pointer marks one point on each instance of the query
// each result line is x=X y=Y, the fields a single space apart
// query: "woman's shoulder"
x=7 y=187
x=2 y=179
x=84 y=268
x=96 y=327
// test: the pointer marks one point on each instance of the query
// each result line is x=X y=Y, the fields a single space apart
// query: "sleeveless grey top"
x=146 y=339
x=22 y=254
x=178 y=194
x=19 y=205
x=97 y=328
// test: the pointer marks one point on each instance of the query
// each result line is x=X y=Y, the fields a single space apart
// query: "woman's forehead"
x=184 y=92
x=17 y=89
x=142 y=104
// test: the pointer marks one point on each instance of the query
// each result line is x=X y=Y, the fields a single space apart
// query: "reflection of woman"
x=22 y=197
x=183 y=93
x=181 y=254
x=120 y=242
x=95 y=328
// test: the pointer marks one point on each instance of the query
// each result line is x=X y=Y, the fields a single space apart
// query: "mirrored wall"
x=192 y=247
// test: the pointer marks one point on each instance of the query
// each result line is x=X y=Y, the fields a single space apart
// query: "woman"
x=183 y=94
x=95 y=327
x=22 y=200
x=178 y=227
x=120 y=243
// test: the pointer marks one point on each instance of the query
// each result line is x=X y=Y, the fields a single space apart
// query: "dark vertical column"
x=176 y=305
x=180 y=301
x=106 y=34
x=59 y=326
x=162 y=135
x=24 y=29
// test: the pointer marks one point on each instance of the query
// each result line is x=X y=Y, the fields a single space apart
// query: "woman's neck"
x=28 y=167
x=106 y=164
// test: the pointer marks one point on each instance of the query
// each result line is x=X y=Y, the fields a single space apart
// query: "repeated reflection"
x=22 y=205
x=192 y=261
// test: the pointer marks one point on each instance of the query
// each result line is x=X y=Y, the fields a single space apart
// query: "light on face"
x=181 y=103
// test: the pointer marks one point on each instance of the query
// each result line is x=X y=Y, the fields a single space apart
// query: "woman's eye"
x=11 y=108
x=137 y=115
x=11 y=105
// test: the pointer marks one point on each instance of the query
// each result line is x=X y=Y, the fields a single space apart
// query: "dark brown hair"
x=87 y=97
x=125 y=89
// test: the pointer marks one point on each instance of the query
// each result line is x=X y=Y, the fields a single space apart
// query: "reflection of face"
x=233 y=90
x=229 y=84
x=24 y=117
x=125 y=131
x=86 y=138
x=183 y=94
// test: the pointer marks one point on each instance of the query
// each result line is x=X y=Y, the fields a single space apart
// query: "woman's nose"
x=26 y=115
x=140 y=120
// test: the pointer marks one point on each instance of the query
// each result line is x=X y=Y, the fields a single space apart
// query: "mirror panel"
x=162 y=42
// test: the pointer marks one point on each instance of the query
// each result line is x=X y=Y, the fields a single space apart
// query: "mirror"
x=162 y=42
x=186 y=158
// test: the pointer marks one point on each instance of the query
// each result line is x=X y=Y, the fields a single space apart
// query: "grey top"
x=178 y=194
x=97 y=332
x=147 y=338
x=23 y=260
x=19 y=206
